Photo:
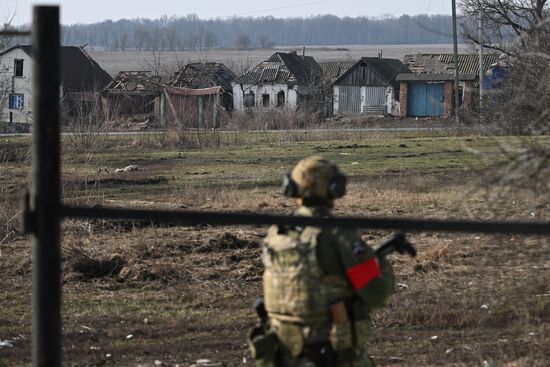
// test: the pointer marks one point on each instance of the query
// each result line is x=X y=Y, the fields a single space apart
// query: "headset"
x=336 y=187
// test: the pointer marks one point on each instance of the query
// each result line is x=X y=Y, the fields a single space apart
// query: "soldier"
x=319 y=284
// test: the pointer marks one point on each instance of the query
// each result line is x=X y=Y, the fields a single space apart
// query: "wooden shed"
x=369 y=86
x=198 y=95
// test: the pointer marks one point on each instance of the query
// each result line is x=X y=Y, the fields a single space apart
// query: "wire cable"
x=279 y=8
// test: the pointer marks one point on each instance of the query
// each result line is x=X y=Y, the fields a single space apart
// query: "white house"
x=15 y=85
x=81 y=80
x=284 y=80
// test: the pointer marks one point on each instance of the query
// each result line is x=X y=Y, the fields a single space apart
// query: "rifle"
x=259 y=307
x=397 y=242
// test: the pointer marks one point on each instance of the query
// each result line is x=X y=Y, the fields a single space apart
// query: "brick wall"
x=403 y=98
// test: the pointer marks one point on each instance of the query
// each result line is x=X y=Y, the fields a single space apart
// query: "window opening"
x=265 y=100
x=18 y=67
x=17 y=101
x=281 y=99
x=249 y=99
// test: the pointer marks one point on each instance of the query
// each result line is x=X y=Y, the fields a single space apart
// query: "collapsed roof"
x=283 y=68
x=444 y=63
x=135 y=82
x=333 y=70
x=203 y=75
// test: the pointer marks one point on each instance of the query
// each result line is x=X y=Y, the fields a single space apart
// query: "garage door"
x=374 y=100
x=426 y=99
x=349 y=99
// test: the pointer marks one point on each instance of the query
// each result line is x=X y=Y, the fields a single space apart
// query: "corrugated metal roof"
x=444 y=63
x=334 y=70
x=203 y=75
x=469 y=63
x=433 y=77
x=282 y=68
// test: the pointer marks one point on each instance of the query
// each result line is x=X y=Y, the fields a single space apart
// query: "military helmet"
x=315 y=179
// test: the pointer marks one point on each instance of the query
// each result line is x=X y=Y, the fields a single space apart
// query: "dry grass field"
x=139 y=293
x=240 y=60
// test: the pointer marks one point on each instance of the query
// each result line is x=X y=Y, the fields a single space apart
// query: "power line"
x=279 y=8
x=428 y=7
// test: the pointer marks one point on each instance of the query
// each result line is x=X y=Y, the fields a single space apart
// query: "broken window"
x=249 y=99
x=18 y=67
x=17 y=101
x=281 y=99
x=265 y=100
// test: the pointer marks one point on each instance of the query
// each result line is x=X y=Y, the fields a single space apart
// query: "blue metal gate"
x=426 y=99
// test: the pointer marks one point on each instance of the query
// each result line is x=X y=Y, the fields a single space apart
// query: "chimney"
x=380 y=54
x=303 y=51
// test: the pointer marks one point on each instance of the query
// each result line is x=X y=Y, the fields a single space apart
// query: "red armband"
x=362 y=274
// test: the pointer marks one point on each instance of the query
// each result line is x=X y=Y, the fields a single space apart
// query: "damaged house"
x=283 y=81
x=332 y=70
x=429 y=89
x=199 y=95
x=369 y=86
x=81 y=81
x=133 y=93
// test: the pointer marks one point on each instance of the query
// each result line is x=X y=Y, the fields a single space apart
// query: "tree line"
x=192 y=33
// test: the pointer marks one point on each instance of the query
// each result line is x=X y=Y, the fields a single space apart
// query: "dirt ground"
x=150 y=295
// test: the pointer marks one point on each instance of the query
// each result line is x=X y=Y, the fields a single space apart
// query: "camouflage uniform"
x=309 y=274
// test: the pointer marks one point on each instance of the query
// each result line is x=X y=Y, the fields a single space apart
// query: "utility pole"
x=481 y=74
x=455 y=49
x=46 y=189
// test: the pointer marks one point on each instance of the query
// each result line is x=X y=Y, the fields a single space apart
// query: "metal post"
x=45 y=190
x=455 y=58
x=215 y=111
x=201 y=112
x=480 y=21
x=161 y=108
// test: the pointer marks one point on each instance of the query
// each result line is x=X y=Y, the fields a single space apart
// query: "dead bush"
x=227 y=241
x=85 y=124
x=284 y=119
x=11 y=154
x=88 y=267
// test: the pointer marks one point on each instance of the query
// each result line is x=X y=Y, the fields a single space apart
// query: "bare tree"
x=123 y=41
x=264 y=41
x=519 y=104
x=520 y=23
x=210 y=39
x=522 y=28
x=171 y=36
x=242 y=42
x=192 y=41
x=141 y=36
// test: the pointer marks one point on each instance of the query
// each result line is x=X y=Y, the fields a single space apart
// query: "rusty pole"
x=455 y=62
x=45 y=191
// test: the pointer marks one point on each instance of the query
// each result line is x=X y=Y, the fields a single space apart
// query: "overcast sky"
x=89 y=11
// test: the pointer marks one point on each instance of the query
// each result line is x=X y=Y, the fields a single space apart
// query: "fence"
x=43 y=209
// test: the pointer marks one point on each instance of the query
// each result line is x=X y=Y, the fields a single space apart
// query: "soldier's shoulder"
x=345 y=235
